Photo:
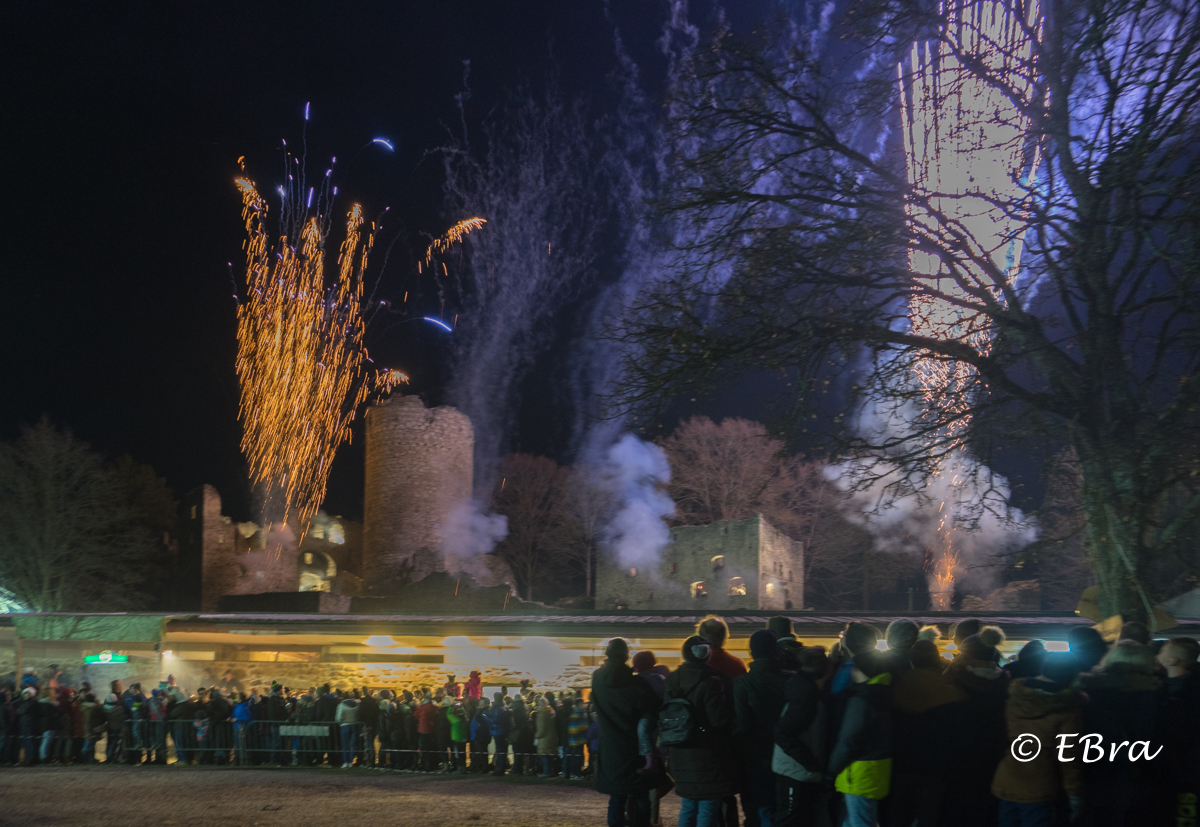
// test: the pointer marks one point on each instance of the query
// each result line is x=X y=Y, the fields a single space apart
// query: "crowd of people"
x=884 y=729
x=450 y=728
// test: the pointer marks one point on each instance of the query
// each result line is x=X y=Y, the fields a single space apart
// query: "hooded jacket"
x=474 y=687
x=1041 y=709
x=620 y=699
x=347 y=712
x=546 y=733
x=862 y=754
x=426 y=714
x=706 y=766
x=926 y=714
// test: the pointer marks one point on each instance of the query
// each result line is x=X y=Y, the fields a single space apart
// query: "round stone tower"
x=419 y=467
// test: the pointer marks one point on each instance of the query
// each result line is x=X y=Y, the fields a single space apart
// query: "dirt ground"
x=184 y=796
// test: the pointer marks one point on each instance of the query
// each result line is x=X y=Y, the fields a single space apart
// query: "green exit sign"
x=106 y=657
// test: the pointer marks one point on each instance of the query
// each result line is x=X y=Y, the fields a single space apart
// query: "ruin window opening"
x=737 y=586
x=699 y=589
x=718 y=562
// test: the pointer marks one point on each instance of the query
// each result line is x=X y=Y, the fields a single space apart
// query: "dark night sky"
x=125 y=122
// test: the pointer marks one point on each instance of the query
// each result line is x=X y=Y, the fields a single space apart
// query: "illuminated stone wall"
x=742 y=564
x=419 y=466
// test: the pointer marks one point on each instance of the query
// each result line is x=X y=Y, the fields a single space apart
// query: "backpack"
x=677 y=722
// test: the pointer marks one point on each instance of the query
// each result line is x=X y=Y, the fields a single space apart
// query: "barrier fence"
x=264 y=743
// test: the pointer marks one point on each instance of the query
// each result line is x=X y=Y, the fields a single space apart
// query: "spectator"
x=926 y=714
x=1177 y=769
x=1087 y=647
x=704 y=767
x=577 y=736
x=523 y=738
x=802 y=742
x=1044 y=708
x=758 y=701
x=982 y=737
x=426 y=714
x=474 y=687
x=562 y=722
x=368 y=723
x=716 y=632
x=1122 y=696
x=93 y=728
x=856 y=639
x=114 y=715
x=861 y=761
x=501 y=726
x=546 y=735
x=620 y=699
x=460 y=733
x=346 y=718
x=481 y=736
x=1136 y=631
x=645 y=666
x=1029 y=661
x=900 y=637
x=786 y=643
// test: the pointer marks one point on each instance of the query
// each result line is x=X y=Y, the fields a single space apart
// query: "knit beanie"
x=643 y=661
x=924 y=655
x=762 y=644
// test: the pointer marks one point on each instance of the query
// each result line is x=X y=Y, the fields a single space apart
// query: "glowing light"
x=380 y=640
x=969 y=163
x=300 y=362
x=384 y=142
x=1057 y=646
x=881 y=645
x=453 y=236
x=439 y=323
x=306 y=109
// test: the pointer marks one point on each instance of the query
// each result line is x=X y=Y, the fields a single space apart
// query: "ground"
x=185 y=796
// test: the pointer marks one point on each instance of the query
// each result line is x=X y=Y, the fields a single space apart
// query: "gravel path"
x=181 y=797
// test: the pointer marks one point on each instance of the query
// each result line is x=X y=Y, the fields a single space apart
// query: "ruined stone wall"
x=215 y=537
x=727 y=557
x=419 y=466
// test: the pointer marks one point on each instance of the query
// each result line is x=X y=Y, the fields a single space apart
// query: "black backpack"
x=677 y=722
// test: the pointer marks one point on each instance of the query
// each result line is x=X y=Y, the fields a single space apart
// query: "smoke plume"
x=636 y=471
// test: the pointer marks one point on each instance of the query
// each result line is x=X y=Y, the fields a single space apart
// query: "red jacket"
x=426 y=713
x=729 y=665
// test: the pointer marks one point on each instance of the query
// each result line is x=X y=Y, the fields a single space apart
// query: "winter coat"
x=460 y=725
x=562 y=723
x=789 y=652
x=802 y=733
x=242 y=715
x=28 y=712
x=49 y=716
x=926 y=714
x=368 y=711
x=501 y=721
x=347 y=712
x=620 y=700
x=655 y=680
x=481 y=727
x=94 y=722
x=1122 y=704
x=980 y=740
x=327 y=708
x=728 y=665
x=426 y=715
x=1043 y=710
x=1178 y=731
x=115 y=715
x=545 y=732
x=474 y=687
x=862 y=753
x=758 y=701
x=276 y=709
x=577 y=727
x=706 y=766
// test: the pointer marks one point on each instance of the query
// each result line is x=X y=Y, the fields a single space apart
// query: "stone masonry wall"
x=419 y=466
x=218 y=546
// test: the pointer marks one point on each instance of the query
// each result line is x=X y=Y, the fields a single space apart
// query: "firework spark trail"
x=453 y=235
x=301 y=361
x=968 y=163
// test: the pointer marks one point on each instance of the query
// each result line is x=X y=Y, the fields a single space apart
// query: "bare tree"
x=533 y=498
x=803 y=224
x=75 y=535
x=589 y=506
x=720 y=471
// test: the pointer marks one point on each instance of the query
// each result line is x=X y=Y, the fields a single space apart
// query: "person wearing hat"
x=705 y=767
x=620 y=699
x=785 y=641
x=758 y=701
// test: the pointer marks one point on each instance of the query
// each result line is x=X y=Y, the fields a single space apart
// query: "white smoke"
x=965 y=501
x=636 y=471
x=469 y=533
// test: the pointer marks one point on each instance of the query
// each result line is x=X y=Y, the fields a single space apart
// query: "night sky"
x=125 y=123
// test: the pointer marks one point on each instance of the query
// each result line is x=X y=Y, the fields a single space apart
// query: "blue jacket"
x=481 y=727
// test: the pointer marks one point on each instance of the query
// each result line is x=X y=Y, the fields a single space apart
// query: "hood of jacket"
x=921 y=689
x=350 y=702
x=690 y=674
x=1027 y=701
x=1120 y=677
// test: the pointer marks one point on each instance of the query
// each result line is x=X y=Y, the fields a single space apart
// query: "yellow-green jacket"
x=862 y=754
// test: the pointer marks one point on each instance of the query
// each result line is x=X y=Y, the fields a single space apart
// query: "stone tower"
x=419 y=466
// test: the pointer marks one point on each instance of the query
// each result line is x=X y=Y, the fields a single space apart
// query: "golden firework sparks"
x=301 y=363
x=454 y=235
x=965 y=140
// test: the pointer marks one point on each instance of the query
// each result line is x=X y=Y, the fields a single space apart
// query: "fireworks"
x=301 y=359
x=969 y=163
x=453 y=236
